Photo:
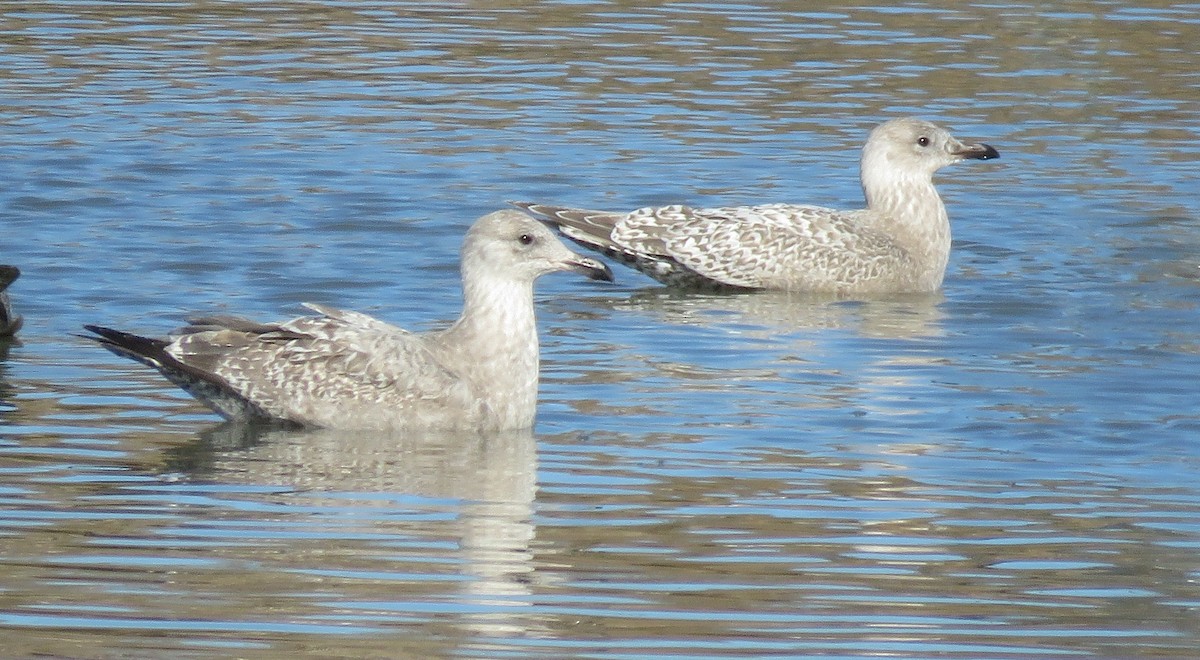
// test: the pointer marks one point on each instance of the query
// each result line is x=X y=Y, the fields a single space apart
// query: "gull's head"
x=513 y=246
x=911 y=146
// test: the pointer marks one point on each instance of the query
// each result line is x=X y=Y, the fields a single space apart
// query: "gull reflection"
x=486 y=481
x=782 y=351
x=908 y=316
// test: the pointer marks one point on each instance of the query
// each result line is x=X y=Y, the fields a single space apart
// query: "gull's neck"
x=906 y=206
x=496 y=342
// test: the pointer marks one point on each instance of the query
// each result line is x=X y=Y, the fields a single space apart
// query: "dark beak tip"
x=593 y=269
x=982 y=151
x=601 y=274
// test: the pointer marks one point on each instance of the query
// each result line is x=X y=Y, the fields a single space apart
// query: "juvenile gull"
x=9 y=322
x=344 y=369
x=899 y=243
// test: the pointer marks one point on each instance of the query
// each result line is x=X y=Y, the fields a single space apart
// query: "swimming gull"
x=343 y=369
x=899 y=243
x=9 y=322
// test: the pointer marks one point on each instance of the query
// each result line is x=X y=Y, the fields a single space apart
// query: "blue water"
x=1005 y=469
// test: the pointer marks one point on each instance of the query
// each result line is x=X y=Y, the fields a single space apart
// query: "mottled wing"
x=782 y=246
x=363 y=322
x=774 y=245
x=302 y=369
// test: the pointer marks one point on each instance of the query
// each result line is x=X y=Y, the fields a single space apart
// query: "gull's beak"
x=594 y=269
x=978 y=151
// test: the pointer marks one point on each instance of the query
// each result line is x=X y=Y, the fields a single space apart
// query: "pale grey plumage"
x=344 y=369
x=9 y=322
x=899 y=243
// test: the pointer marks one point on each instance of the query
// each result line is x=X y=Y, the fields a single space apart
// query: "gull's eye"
x=923 y=141
x=525 y=239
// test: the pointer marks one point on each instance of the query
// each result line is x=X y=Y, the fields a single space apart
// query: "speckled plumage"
x=899 y=243
x=344 y=369
x=9 y=322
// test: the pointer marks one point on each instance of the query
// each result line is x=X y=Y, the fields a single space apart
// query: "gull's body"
x=344 y=369
x=899 y=243
x=9 y=322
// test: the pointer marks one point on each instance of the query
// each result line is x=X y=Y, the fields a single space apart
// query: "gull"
x=900 y=243
x=9 y=322
x=347 y=370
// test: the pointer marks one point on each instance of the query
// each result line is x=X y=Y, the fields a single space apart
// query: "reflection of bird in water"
x=899 y=243
x=344 y=369
x=470 y=495
x=758 y=352
x=770 y=313
x=9 y=322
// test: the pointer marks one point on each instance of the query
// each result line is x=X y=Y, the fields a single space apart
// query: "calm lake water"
x=1007 y=469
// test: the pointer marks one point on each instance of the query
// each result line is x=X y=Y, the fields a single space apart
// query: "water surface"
x=1005 y=469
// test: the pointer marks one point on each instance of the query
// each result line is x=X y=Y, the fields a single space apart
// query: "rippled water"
x=1004 y=470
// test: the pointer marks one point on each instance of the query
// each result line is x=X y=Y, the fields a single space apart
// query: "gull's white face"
x=911 y=146
x=513 y=245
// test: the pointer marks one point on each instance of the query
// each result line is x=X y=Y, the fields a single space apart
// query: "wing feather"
x=773 y=245
x=295 y=369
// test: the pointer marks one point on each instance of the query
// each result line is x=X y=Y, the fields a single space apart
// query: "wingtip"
x=123 y=343
x=104 y=333
x=528 y=207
